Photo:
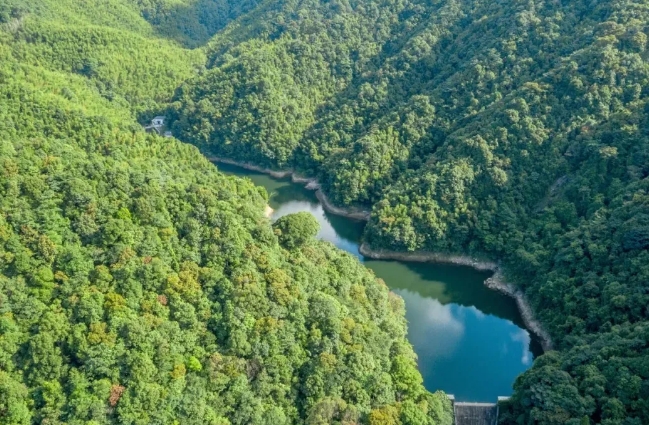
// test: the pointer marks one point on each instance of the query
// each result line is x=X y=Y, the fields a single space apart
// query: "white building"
x=157 y=124
x=158 y=121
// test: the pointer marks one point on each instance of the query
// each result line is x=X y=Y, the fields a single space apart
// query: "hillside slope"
x=512 y=129
x=138 y=285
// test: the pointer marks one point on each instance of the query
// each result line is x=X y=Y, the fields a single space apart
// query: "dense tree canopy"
x=138 y=285
x=513 y=129
x=294 y=230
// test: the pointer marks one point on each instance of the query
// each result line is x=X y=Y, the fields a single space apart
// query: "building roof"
x=159 y=117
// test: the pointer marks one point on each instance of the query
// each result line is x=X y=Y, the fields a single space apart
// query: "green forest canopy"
x=512 y=129
x=138 y=285
x=516 y=130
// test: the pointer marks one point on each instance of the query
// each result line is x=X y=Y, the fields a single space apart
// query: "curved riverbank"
x=495 y=282
x=309 y=183
x=428 y=257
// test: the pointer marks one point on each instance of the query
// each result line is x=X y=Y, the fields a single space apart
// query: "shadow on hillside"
x=194 y=22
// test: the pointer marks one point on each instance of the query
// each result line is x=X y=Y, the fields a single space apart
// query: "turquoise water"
x=470 y=341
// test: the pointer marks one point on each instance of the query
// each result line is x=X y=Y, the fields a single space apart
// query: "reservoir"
x=470 y=340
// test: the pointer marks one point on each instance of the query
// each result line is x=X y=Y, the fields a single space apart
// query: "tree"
x=295 y=230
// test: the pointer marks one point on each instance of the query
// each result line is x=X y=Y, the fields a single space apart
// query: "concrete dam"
x=467 y=413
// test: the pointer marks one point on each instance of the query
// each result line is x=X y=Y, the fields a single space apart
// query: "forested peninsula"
x=138 y=285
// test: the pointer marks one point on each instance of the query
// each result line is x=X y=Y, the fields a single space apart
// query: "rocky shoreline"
x=428 y=257
x=495 y=282
x=309 y=183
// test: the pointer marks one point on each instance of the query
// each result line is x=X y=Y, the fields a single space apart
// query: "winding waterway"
x=470 y=340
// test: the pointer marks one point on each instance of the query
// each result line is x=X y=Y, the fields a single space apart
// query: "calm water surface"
x=470 y=340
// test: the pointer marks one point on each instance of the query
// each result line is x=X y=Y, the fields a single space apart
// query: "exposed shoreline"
x=428 y=257
x=495 y=282
x=268 y=211
x=309 y=183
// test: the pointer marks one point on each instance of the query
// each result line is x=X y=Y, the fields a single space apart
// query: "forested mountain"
x=513 y=129
x=138 y=285
x=141 y=286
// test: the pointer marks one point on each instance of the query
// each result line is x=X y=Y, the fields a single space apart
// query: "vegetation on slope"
x=130 y=69
x=515 y=129
x=190 y=23
x=139 y=285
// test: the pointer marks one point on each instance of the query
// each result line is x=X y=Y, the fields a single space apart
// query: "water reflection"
x=344 y=237
x=470 y=341
x=470 y=354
